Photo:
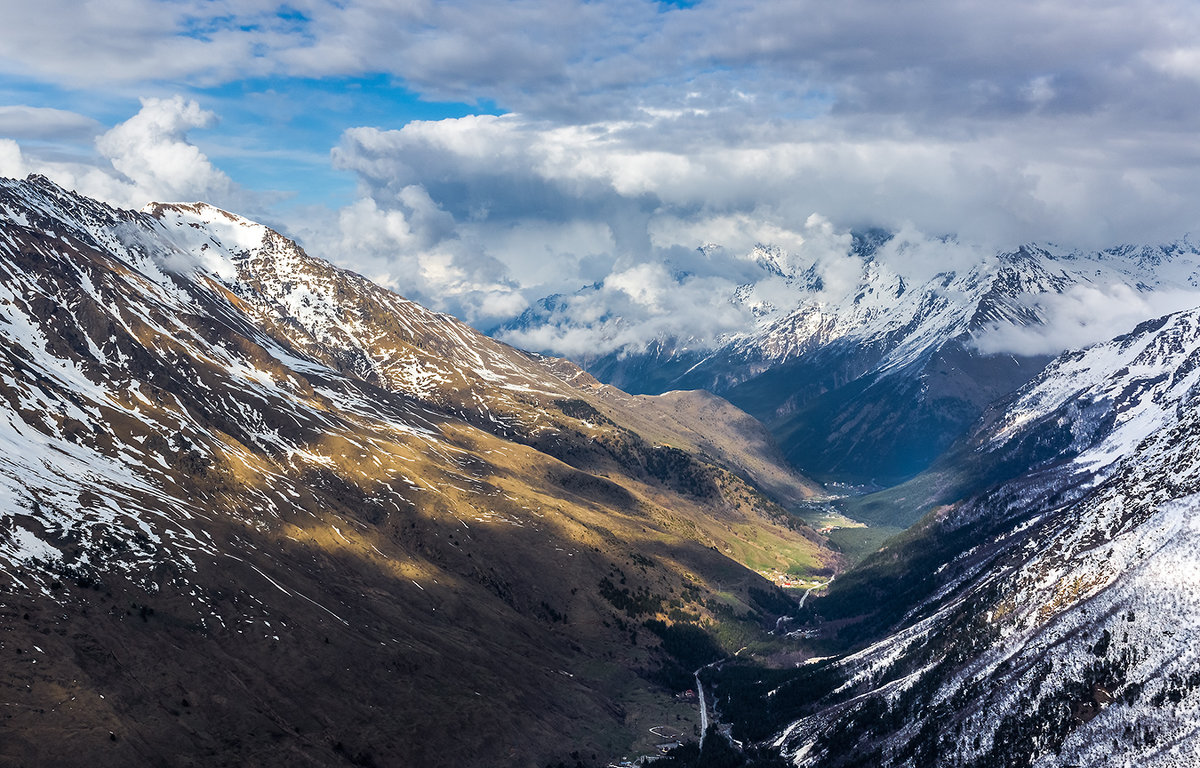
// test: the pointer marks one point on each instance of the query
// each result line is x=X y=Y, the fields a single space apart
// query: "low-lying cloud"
x=632 y=308
x=1082 y=316
x=641 y=240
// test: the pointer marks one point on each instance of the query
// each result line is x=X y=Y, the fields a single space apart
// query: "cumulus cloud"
x=409 y=245
x=152 y=150
x=145 y=158
x=987 y=189
x=1082 y=316
x=11 y=162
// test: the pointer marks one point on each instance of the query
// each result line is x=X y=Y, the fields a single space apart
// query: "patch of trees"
x=582 y=410
x=548 y=611
x=673 y=468
x=760 y=702
x=687 y=643
x=685 y=647
x=773 y=601
x=634 y=603
x=1175 y=688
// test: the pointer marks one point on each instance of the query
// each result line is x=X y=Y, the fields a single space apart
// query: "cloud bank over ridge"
x=629 y=133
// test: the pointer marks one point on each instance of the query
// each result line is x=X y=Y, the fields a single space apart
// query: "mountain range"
x=895 y=344
x=1037 y=609
x=256 y=510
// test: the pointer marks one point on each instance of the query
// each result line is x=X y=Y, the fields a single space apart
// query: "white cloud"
x=636 y=132
x=410 y=247
x=991 y=188
x=152 y=150
x=146 y=158
x=917 y=257
x=644 y=284
x=736 y=231
x=12 y=164
x=1082 y=316
x=633 y=307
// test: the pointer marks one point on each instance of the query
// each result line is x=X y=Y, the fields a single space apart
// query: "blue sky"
x=276 y=132
x=477 y=155
x=273 y=134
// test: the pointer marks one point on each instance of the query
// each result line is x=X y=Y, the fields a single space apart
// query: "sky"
x=477 y=155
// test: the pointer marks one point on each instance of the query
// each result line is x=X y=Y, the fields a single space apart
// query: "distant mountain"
x=257 y=510
x=870 y=380
x=1043 y=611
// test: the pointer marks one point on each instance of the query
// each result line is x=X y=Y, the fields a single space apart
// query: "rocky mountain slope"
x=1044 y=617
x=878 y=353
x=257 y=510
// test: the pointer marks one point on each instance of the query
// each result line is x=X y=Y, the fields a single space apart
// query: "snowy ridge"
x=96 y=432
x=906 y=318
x=333 y=309
x=1131 y=388
x=1065 y=636
x=896 y=343
x=872 y=297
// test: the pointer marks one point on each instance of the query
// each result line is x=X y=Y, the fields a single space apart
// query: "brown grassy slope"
x=454 y=598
